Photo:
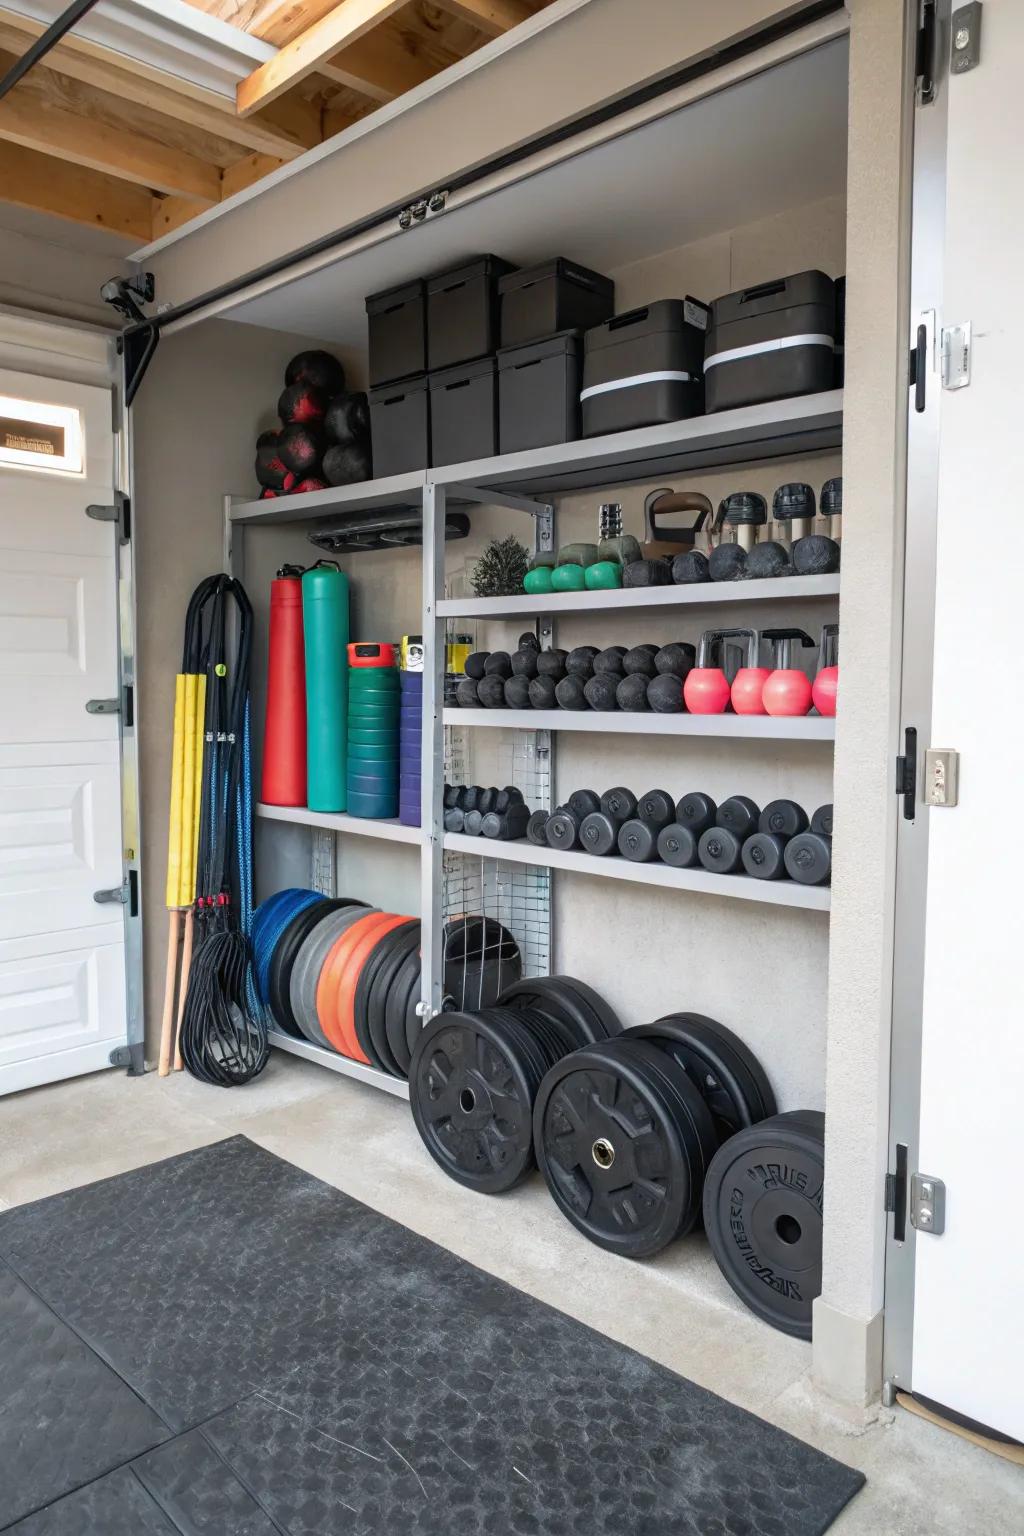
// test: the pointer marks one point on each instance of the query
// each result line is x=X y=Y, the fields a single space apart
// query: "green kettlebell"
x=603 y=576
x=538 y=580
x=568 y=578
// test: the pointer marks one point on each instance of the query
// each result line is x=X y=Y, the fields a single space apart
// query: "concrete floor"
x=676 y=1310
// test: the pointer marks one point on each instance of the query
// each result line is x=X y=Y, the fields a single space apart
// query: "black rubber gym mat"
x=65 y=1417
x=350 y=1376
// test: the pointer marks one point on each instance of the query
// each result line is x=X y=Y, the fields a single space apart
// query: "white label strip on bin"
x=733 y=354
x=637 y=378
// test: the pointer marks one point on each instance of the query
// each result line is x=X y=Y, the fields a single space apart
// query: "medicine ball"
x=301 y=448
x=690 y=567
x=302 y=403
x=344 y=466
x=271 y=470
x=311 y=483
x=347 y=420
x=727 y=563
x=317 y=368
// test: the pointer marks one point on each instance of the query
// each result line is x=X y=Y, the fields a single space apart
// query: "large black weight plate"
x=282 y=960
x=406 y=977
x=368 y=976
x=471 y=1088
x=609 y=1145
x=568 y=1000
x=763 y=1217
x=408 y=940
x=726 y=1072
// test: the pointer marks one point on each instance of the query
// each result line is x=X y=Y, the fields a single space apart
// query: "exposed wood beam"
x=170 y=213
x=491 y=16
x=235 y=178
x=32 y=180
x=344 y=25
x=377 y=66
x=288 y=128
x=29 y=118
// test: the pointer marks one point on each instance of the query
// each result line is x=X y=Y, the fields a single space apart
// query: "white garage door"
x=62 y=973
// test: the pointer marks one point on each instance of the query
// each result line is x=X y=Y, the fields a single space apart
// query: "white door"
x=62 y=971
x=968 y=1331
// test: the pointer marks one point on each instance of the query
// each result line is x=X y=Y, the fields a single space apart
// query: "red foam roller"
x=284 y=739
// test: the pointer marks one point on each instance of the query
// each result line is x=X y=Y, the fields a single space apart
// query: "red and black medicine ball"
x=311 y=483
x=347 y=422
x=320 y=369
x=301 y=448
x=344 y=466
x=271 y=470
x=302 y=403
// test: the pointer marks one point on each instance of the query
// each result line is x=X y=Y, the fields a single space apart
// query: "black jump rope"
x=223 y=1031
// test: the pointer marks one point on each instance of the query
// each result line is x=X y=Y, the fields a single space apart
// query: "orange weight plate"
x=357 y=956
x=333 y=966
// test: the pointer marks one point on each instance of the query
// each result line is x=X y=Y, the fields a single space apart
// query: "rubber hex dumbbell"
x=536 y=829
x=720 y=848
x=821 y=821
x=508 y=825
x=562 y=829
x=809 y=858
x=638 y=840
x=764 y=852
x=678 y=840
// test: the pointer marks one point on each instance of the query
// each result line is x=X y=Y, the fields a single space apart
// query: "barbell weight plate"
x=309 y=963
x=403 y=942
x=568 y=1000
x=282 y=962
x=765 y=1226
x=383 y=955
x=726 y=1072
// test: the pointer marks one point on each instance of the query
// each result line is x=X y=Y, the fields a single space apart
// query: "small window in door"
x=37 y=435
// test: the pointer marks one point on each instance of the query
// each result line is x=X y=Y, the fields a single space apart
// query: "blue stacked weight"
x=373 y=710
x=410 y=743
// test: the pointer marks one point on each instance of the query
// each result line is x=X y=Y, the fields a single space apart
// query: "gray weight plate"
x=308 y=965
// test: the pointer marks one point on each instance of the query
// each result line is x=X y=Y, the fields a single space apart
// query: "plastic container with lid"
x=557 y=295
x=464 y=412
x=644 y=367
x=397 y=323
x=539 y=392
x=462 y=311
x=771 y=341
x=400 y=427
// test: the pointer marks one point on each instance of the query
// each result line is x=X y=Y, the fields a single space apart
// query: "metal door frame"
x=926 y=292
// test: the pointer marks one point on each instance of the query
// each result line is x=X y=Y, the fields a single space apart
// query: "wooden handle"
x=186 y=966
x=167 y=1023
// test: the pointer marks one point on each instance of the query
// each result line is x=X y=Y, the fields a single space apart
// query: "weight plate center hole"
x=788 y=1229
x=467 y=1101
x=603 y=1152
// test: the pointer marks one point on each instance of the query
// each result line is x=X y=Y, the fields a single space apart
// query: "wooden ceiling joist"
x=32 y=180
x=377 y=66
x=341 y=27
x=491 y=16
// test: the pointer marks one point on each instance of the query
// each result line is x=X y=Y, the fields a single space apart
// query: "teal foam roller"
x=375 y=807
x=325 y=627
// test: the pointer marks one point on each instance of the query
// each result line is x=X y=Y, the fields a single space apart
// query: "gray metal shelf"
x=343 y=1065
x=365 y=496
x=783 y=589
x=332 y=821
x=779 y=893
x=757 y=727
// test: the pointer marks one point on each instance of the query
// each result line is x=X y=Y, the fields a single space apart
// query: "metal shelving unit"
x=776 y=893
x=528 y=483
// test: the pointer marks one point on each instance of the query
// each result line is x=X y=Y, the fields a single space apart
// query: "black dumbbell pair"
x=495 y=813
x=644 y=677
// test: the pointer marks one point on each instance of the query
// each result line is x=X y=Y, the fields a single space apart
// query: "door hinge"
x=965 y=38
x=129 y=1056
x=924 y=66
x=120 y=513
x=927 y=1204
x=895 y=1199
x=906 y=773
x=103 y=706
x=956 y=355
x=114 y=893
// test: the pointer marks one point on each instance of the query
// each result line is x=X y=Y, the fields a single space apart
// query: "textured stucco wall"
x=860 y=979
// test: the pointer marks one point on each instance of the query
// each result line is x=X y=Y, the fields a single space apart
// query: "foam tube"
x=284 y=736
x=325 y=611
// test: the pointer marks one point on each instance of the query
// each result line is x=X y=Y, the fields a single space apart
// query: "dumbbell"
x=467 y=694
x=491 y=691
x=638 y=840
x=600 y=691
x=742 y=513
x=677 y=659
x=816 y=554
x=517 y=692
x=696 y=811
x=535 y=829
x=631 y=694
x=678 y=840
x=793 y=507
x=580 y=662
x=551 y=663
x=506 y=797
x=562 y=829
x=542 y=693
x=809 y=858
x=454 y=819
x=508 y=824
x=639 y=661
x=647 y=573
x=665 y=694
x=599 y=829
x=498 y=664
x=608 y=663
x=524 y=662
x=475 y=664
x=821 y=821
x=451 y=795
x=764 y=851
x=720 y=848
x=472 y=822
x=469 y=799
x=570 y=693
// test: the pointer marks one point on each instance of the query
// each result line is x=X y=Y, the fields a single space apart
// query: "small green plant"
x=501 y=568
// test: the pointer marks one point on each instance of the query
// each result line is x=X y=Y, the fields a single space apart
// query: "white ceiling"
x=773 y=142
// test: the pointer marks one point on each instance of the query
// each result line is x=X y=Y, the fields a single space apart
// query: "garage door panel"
x=53 y=1002
x=59 y=843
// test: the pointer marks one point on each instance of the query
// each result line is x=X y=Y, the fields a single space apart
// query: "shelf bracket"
x=486 y=498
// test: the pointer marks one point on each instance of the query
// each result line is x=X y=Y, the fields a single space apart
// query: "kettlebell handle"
x=662 y=503
x=712 y=640
x=781 y=642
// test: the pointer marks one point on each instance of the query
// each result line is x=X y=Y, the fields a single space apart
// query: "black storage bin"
x=772 y=341
x=397 y=322
x=464 y=412
x=644 y=367
x=400 y=427
x=839 y=371
x=539 y=392
x=462 y=311
x=558 y=295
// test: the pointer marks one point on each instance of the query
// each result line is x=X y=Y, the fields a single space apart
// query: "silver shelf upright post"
x=432 y=761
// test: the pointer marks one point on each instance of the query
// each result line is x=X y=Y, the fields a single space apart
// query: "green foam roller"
x=568 y=578
x=603 y=576
x=325 y=620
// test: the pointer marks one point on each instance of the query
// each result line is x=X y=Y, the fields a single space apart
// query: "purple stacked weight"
x=410 y=741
